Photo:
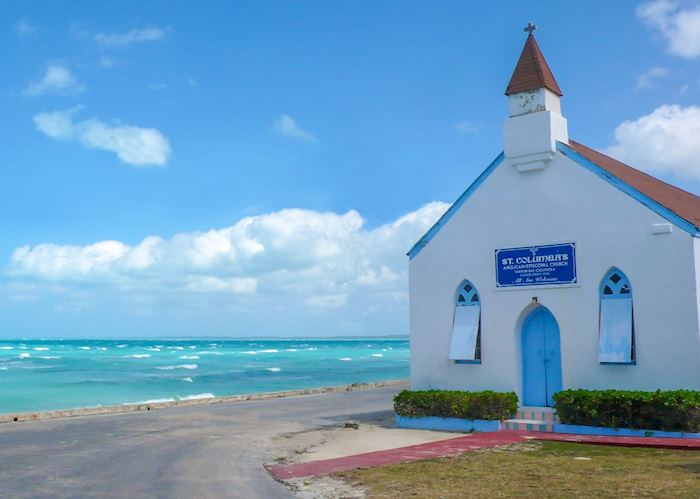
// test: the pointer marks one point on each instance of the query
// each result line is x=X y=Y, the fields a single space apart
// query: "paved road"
x=205 y=451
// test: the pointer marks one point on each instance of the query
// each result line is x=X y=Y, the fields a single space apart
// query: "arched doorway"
x=541 y=358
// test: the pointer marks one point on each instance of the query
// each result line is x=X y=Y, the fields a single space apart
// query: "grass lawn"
x=537 y=469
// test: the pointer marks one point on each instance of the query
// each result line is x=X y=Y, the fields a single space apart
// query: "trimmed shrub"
x=671 y=410
x=456 y=404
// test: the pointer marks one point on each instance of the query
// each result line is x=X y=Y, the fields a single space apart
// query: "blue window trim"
x=616 y=296
x=469 y=302
x=615 y=287
x=432 y=232
x=628 y=189
x=467 y=295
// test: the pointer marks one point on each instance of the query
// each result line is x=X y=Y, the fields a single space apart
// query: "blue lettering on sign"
x=536 y=265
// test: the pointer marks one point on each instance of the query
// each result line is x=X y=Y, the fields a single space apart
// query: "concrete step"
x=546 y=414
x=522 y=424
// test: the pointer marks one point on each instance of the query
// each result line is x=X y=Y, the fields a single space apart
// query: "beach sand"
x=345 y=439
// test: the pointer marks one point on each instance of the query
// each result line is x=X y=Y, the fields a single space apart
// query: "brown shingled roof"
x=532 y=71
x=682 y=203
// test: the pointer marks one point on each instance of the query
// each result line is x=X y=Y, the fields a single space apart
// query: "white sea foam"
x=7 y=348
x=291 y=349
x=345 y=359
x=24 y=355
x=40 y=349
x=312 y=348
x=377 y=355
x=104 y=349
x=188 y=379
x=3 y=368
x=151 y=401
x=192 y=346
x=50 y=357
x=138 y=356
x=84 y=348
x=206 y=352
x=22 y=347
x=273 y=369
x=154 y=349
x=271 y=350
x=189 y=357
x=122 y=346
x=197 y=396
x=249 y=352
x=181 y=366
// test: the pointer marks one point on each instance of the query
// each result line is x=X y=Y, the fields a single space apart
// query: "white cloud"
x=134 y=145
x=327 y=301
x=57 y=79
x=286 y=126
x=648 y=80
x=664 y=141
x=211 y=284
x=680 y=27
x=25 y=29
x=466 y=128
x=316 y=260
x=129 y=38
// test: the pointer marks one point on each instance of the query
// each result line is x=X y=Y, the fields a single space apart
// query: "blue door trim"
x=541 y=358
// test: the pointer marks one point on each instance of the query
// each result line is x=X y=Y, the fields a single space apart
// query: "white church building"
x=559 y=267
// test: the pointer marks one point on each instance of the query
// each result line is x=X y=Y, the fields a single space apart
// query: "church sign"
x=536 y=265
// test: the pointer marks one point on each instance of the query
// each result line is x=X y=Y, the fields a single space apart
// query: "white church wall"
x=563 y=202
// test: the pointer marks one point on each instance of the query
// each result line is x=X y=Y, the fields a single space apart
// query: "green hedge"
x=672 y=410
x=456 y=404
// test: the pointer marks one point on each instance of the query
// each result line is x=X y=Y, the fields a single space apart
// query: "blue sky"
x=262 y=167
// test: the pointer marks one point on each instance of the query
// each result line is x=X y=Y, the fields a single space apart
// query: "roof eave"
x=432 y=232
x=628 y=189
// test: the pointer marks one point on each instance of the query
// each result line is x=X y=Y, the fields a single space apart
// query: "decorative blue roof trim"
x=453 y=209
x=628 y=189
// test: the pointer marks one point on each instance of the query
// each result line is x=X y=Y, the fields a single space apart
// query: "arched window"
x=616 y=342
x=466 y=325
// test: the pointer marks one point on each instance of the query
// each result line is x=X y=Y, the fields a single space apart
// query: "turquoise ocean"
x=37 y=375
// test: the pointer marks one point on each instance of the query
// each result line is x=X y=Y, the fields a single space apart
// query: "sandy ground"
x=352 y=438
x=346 y=439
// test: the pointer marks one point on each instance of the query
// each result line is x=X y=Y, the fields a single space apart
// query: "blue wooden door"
x=541 y=358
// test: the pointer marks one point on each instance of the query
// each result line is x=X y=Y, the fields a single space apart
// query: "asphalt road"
x=186 y=452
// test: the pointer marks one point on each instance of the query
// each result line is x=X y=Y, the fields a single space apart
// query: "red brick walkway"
x=459 y=445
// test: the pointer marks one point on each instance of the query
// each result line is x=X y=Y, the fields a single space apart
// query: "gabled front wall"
x=562 y=203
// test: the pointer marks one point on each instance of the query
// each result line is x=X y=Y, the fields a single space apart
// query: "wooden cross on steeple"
x=530 y=28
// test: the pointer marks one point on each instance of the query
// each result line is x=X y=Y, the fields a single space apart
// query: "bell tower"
x=534 y=123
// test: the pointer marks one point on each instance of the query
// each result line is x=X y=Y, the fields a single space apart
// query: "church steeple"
x=532 y=71
x=534 y=124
